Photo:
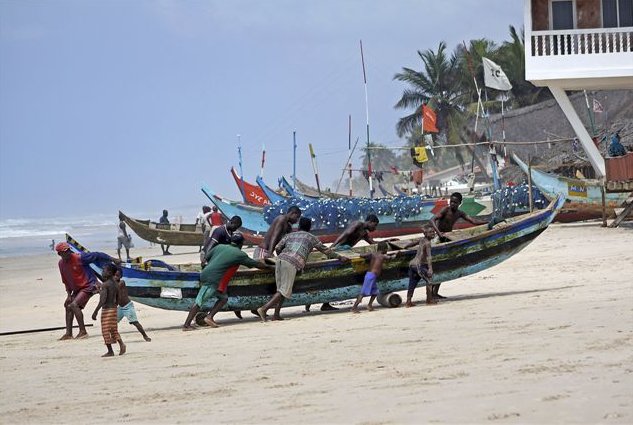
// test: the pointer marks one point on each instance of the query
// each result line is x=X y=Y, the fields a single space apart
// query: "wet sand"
x=545 y=337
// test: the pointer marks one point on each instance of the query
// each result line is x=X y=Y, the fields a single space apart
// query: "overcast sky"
x=134 y=104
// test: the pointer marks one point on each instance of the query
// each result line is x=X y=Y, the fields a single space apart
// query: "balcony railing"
x=582 y=42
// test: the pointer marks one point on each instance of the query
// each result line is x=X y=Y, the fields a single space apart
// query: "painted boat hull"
x=583 y=197
x=169 y=234
x=476 y=249
x=252 y=194
x=273 y=196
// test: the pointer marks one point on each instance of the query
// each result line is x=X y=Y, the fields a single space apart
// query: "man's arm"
x=260 y=264
x=429 y=262
x=473 y=221
x=276 y=230
x=281 y=245
x=346 y=234
x=436 y=219
x=411 y=244
x=327 y=251
x=102 y=299
x=369 y=239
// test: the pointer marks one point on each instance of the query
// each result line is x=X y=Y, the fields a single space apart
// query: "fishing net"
x=513 y=200
x=338 y=213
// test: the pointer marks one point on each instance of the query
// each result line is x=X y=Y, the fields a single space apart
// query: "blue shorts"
x=369 y=285
x=128 y=311
x=209 y=291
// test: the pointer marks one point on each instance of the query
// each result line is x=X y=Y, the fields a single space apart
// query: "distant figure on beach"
x=370 y=287
x=220 y=236
x=281 y=225
x=126 y=306
x=444 y=221
x=219 y=260
x=216 y=218
x=293 y=251
x=123 y=239
x=52 y=245
x=108 y=300
x=421 y=266
x=354 y=233
x=164 y=220
x=203 y=220
x=80 y=282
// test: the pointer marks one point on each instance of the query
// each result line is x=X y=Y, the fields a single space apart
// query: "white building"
x=576 y=45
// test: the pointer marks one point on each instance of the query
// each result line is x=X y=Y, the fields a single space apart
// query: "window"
x=562 y=14
x=617 y=13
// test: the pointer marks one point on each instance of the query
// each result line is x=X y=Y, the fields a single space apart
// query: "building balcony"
x=596 y=58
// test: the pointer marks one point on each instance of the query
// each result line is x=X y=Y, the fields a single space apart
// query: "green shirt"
x=220 y=259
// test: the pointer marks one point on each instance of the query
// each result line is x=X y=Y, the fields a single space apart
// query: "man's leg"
x=277 y=315
x=141 y=330
x=110 y=352
x=436 y=291
x=370 y=306
x=272 y=302
x=429 y=294
x=414 y=278
x=118 y=252
x=209 y=317
x=127 y=252
x=69 y=324
x=76 y=311
x=195 y=308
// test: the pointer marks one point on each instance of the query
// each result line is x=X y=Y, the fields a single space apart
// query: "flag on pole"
x=429 y=120
x=494 y=77
x=597 y=107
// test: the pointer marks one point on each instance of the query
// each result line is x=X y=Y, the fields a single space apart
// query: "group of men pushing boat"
x=222 y=255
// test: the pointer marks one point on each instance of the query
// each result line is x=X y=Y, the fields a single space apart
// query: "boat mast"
x=315 y=168
x=239 y=154
x=371 y=187
x=294 y=160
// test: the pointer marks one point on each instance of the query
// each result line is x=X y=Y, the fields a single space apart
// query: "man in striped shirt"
x=293 y=251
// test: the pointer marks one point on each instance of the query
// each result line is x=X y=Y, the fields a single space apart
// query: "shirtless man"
x=280 y=226
x=421 y=266
x=108 y=300
x=355 y=232
x=444 y=222
x=371 y=277
x=126 y=306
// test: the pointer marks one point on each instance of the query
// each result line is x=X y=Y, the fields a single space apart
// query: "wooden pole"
x=604 y=204
x=314 y=167
x=530 y=182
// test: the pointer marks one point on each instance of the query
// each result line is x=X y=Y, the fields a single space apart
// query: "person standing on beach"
x=80 y=282
x=293 y=251
x=421 y=266
x=281 y=225
x=219 y=260
x=123 y=239
x=376 y=259
x=444 y=221
x=164 y=220
x=203 y=220
x=108 y=300
x=126 y=306
x=354 y=233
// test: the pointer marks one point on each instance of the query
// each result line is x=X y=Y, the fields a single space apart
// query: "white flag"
x=494 y=77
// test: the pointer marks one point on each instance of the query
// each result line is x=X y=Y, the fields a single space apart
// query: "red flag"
x=429 y=120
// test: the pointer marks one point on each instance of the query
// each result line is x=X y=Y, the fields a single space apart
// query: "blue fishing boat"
x=583 y=196
x=273 y=196
x=327 y=280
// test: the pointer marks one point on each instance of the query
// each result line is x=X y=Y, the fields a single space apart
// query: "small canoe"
x=168 y=234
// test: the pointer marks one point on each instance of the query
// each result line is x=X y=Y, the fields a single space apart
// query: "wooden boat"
x=252 y=193
x=254 y=226
x=292 y=192
x=583 y=197
x=308 y=190
x=169 y=234
x=324 y=280
x=273 y=196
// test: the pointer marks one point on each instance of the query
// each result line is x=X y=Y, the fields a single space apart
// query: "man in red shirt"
x=80 y=282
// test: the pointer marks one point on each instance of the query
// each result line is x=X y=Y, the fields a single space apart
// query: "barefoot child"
x=420 y=267
x=108 y=300
x=126 y=307
x=369 y=285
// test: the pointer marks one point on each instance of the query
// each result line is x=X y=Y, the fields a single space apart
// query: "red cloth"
x=216 y=219
x=74 y=274
x=228 y=275
x=429 y=120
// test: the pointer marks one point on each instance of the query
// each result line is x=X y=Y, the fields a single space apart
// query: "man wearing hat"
x=80 y=282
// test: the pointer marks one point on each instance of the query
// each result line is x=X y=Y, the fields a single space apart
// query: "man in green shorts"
x=221 y=260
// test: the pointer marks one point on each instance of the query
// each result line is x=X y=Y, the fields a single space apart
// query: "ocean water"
x=97 y=232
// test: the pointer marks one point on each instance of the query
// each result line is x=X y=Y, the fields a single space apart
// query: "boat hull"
x=168 y=234
x=583 y=197
x=474 y=250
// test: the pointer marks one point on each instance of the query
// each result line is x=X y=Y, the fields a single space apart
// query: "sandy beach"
x=545 y=337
